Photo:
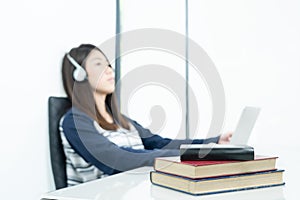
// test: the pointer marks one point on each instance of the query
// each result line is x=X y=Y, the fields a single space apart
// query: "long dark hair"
x=81 y=94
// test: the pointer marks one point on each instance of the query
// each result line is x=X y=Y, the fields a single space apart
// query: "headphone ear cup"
x=79 y=74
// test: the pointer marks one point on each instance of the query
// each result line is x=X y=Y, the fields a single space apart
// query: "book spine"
x=217 y=154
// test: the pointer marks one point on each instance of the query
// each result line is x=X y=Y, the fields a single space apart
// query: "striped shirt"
x=78 y=170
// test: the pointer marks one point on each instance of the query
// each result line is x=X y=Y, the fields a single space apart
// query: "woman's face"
x=100 y=75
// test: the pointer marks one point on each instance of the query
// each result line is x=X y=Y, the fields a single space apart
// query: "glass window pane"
x=154 y=102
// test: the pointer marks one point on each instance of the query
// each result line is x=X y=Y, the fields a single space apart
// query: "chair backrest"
x=57 y=107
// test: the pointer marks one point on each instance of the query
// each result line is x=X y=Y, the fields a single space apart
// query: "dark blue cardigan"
x=96 y=149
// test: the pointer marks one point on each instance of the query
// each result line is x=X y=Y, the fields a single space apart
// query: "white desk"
x=135 y=184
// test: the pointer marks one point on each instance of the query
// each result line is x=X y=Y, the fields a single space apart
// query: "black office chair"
x=57 y=107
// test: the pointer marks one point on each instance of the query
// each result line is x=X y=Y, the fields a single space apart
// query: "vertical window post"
x=118 y=50
x=187 y=126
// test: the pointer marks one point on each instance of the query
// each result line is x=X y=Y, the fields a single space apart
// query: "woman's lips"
x=111 y=79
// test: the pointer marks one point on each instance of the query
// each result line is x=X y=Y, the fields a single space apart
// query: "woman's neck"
x=100 y=101
x=101 y=106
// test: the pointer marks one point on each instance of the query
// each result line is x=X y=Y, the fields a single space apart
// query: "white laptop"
x=245 y=126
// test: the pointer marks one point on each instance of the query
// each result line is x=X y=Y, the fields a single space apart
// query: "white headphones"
x=79 y=74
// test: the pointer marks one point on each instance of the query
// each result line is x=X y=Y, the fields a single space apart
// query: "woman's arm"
x=98 y=150
x=152 y=141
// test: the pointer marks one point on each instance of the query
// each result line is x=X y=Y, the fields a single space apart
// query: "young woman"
x=98 y=140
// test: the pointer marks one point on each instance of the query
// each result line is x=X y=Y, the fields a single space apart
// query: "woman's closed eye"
x=101 y=64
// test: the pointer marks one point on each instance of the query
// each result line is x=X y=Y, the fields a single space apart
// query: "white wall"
x=34 y=37
x=254 y=44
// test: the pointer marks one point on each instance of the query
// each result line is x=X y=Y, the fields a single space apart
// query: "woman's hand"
x=225 y=138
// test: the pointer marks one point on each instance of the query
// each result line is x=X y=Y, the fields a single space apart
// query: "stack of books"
x=202 y=177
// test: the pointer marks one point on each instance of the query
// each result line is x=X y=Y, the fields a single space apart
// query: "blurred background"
x=254 y=45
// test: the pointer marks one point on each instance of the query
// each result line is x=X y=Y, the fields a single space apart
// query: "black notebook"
x=216 y=152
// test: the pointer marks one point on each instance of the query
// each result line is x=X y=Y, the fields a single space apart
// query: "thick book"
x=202 y=169
x=218 y=184
x=216 y=152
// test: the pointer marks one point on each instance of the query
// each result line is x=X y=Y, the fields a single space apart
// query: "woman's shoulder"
x=75 y=115
x=74 y=111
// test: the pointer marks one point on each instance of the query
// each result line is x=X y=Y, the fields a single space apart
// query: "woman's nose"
x=109 y=70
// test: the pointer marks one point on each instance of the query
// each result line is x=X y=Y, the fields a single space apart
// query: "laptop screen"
x=245 y=125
